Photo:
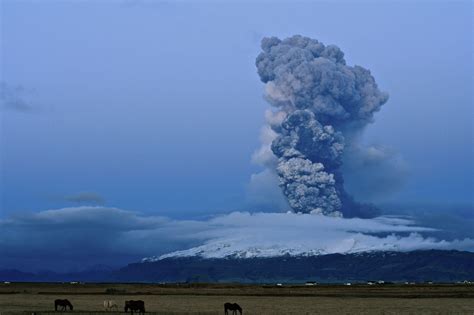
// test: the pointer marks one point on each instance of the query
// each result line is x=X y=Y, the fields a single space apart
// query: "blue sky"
x=157 y=107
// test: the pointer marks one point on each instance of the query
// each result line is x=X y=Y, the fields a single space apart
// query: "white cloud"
x=13 y=97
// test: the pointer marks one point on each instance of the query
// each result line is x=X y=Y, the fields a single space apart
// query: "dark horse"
x=63 y=303
x=135 y=306
x=234 y=307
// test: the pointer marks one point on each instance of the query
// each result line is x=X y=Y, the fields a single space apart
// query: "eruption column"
x=321 y=105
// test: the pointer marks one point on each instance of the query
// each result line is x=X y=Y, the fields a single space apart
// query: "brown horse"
x=234 y=307
x=63 y=303
x=135 y=306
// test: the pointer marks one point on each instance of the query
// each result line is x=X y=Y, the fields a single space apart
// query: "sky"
x=156 y=107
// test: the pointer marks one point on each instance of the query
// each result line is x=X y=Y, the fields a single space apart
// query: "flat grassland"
x=26 y=298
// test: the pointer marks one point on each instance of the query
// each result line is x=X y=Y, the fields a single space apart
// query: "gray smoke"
x=321 y=104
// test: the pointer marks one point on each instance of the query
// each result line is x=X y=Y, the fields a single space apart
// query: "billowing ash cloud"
x=321 y=105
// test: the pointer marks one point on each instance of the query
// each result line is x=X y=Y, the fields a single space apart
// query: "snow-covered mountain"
x=225 y=250
x=243 y=249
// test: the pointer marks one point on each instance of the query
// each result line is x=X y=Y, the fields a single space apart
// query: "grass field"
x=26 y=298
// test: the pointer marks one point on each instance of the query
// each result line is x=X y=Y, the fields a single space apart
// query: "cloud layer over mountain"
x=74 y=238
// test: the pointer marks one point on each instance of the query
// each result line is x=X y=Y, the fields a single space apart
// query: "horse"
x=135 y=306
x=109 y=305
x=63 y=303
x=234 y=307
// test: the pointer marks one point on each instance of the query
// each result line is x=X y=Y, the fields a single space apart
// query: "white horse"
x=110 y=304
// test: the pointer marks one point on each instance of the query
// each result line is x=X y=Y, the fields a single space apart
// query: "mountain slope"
x=434 y=265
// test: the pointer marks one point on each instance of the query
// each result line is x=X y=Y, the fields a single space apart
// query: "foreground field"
x=209 y=299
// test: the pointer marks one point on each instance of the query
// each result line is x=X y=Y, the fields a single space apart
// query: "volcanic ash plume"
x=321 y=104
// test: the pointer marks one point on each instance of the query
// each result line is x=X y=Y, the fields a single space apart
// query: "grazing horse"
x=109 y=305
x=63 y=303
x=234 y=307
x=135 y=306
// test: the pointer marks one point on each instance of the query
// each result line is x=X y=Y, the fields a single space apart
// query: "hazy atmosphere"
x=133 y=129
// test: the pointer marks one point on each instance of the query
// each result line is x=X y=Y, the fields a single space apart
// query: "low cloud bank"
x=78 y=237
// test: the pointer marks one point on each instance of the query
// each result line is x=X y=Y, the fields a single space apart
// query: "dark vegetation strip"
x=103 y=312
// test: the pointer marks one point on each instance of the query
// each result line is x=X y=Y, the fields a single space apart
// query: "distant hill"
x=89 y=275
x=419 y=266
x=15 y=275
